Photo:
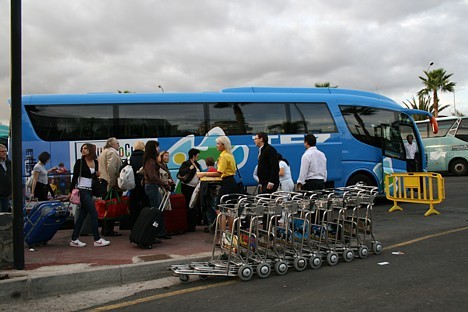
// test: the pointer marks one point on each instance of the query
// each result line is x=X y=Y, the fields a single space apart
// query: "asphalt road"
x=429 y=273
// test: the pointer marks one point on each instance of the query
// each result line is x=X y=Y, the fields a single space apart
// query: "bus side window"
x=462 y=132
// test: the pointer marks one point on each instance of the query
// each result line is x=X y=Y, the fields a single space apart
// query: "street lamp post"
x=430 y=64
x=162 y=89
x=454 y=107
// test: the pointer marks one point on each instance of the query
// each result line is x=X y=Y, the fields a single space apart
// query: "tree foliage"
x=435 y=81
x=422 y=103
x=325 y=84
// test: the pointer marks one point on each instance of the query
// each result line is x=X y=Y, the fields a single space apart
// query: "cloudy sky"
x=382 y=46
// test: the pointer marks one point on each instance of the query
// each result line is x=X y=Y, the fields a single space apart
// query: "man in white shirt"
x=411 y=150
x=313 y=172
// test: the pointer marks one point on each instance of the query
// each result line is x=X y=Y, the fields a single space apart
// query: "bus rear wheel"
x=360 y=178
x=459 y=167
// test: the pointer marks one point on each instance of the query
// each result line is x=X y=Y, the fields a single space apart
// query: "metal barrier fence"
x=415 y=187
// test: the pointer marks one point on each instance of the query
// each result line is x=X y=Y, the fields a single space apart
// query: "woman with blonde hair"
x=226 y=170
x=138 y=198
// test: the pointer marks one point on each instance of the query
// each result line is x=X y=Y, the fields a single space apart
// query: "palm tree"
x=325 y=84
x=423 y=103
x=436 y=80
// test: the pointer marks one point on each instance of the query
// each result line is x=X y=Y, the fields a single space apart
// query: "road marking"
x=426 y=237
x=198 y=288
x=165 y=295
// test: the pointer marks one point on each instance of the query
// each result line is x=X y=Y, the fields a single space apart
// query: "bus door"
x=393 y=150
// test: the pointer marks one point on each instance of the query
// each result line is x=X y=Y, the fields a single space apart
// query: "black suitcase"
x=145 y=228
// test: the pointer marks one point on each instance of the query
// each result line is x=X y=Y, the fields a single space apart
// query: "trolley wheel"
x=377 y=247
x=332 y=258
x=281 y=267
x=184 y=278
x=203 y=277
x=245 y=272
x=263 y=270
x=363 y=252
x=348 y=255
x=300 y=264
x=315 y=262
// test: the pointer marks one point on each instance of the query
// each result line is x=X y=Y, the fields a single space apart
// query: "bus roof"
x=239 y=94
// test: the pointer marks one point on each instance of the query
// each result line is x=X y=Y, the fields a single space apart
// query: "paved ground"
x=50 y=268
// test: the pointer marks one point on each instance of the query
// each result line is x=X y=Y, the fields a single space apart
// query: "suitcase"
x=87 y=227
x=175 y=220
x=43 y=222
x=145 y=228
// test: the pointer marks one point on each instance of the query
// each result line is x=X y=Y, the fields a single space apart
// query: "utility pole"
x=16 y=136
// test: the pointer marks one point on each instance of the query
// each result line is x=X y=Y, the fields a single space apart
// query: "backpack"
x=126 y=179
x=28 y=185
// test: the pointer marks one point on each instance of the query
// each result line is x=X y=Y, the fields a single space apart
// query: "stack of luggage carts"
x=288 y=229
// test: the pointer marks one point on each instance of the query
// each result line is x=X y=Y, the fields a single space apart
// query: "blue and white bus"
x=359 y=132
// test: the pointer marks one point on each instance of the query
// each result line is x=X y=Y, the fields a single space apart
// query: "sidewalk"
x=57 y=268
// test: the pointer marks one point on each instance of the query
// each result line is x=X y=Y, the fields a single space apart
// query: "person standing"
x=190 y=167
x=153 y=183
x=411 y=150
x=268 y=166
x=285 y=177
x=40 y=185
x=313 y=172
x=226 y=170
x=138 y=198
x=109 y=166
x=5 y=179
x=83 y=172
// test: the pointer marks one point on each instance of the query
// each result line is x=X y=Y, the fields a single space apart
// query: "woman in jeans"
x=153 y=182
x=83 y=172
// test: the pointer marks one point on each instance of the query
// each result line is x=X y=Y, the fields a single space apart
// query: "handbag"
x=99 y=187
x=184 y=178
x=112 y=206
x=241 y=189
x=75 y=196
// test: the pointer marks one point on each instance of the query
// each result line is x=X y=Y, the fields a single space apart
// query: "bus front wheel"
x=361 y=178
x=459 y=167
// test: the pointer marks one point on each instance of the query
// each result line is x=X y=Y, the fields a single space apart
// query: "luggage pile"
x=289 y=229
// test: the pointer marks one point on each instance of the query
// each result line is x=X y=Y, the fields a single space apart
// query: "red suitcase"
x=175 y=220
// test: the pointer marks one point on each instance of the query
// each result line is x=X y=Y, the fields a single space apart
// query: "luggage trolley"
x=359 y=224
x=268 y=244
x=322 y=230
x=294 y=234
x=227 y=259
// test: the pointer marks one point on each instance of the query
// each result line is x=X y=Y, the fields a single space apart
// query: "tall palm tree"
x=436 y=80
x=325 y=84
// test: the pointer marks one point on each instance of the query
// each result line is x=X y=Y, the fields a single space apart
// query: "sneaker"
x=77 y=243
x=101 y=243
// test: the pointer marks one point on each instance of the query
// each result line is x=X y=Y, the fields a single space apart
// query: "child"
x=210 y=164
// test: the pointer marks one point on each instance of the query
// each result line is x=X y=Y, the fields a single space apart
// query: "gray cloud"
x=90 y=46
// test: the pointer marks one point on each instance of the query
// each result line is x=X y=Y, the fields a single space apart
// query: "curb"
x=34 y=285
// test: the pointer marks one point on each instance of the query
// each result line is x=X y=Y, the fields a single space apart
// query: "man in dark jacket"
x=5 y=179
x=268 y=165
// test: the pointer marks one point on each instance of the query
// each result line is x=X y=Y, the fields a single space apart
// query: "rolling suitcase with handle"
x=145 y=228
x=175 y=220
x=43 y=222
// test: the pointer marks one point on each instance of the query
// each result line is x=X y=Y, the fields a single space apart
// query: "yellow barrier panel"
x=415 y=187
